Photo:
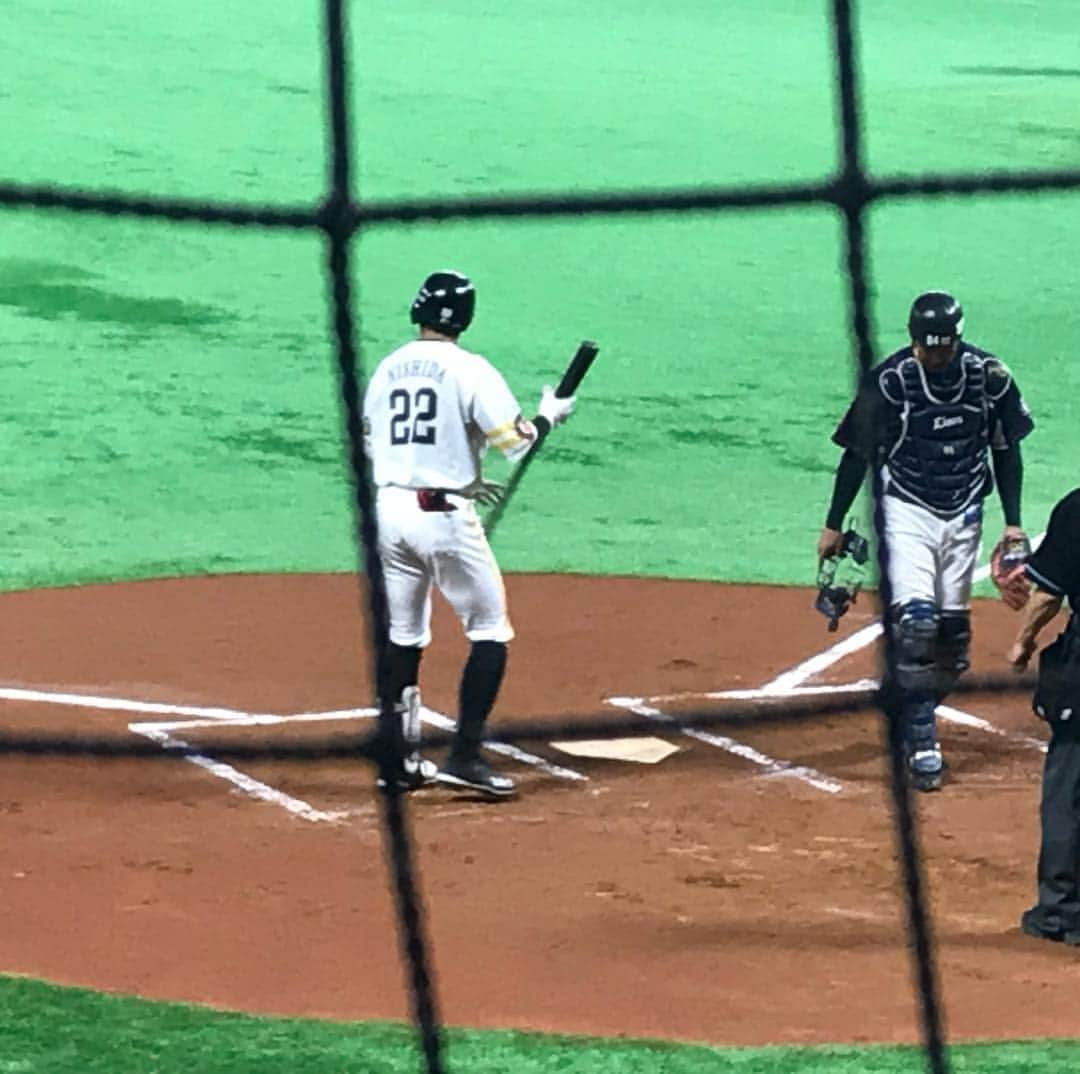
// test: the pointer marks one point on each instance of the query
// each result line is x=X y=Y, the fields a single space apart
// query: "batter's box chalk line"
x=792 y=683
x=770 y=766
x=193 y=717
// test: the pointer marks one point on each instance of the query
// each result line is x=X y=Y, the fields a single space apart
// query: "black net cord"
x=339 y=217
x=855 y=200
x=736 y=717
x=339 y=227
x=494 y=206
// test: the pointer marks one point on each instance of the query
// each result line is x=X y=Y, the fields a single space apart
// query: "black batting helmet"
x=936 y=319
x=446 y=301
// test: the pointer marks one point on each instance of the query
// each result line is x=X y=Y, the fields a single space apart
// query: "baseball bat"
x=574 y=375
x=576 y=370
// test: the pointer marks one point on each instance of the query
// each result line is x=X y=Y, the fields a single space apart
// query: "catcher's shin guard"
x=920 y=724
x=926 y=766
x=915 y=628
x=953 y=649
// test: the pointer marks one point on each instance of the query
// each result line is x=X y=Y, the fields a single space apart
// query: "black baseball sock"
x=400 y=668
x=480 y=684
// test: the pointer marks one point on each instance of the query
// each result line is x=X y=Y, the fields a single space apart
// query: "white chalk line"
x=119 y=704
x=260 y=720
x=759 y=693
x=213 y=716
x=437 y=719
x=770 y=765
x=948 y=713
x=966 y=719
x=201 y=716
x=427 y=715
x=790 y=683
x=250 y=786
x=784 y=684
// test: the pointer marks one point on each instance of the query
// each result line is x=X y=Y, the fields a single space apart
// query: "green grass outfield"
x=48 y=1030
x=170 y=402
x=170 y=398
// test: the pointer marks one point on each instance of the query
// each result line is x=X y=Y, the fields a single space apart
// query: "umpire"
x=1054 y=569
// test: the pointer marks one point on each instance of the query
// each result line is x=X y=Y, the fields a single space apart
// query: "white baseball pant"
x=447 y=549
x=931 y=558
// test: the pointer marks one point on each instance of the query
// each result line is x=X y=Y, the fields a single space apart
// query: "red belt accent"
x=433 y=500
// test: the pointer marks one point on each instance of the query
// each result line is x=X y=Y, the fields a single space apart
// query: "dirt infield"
x=739 y=891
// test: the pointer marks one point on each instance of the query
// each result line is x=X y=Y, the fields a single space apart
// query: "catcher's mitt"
x=1007 y=570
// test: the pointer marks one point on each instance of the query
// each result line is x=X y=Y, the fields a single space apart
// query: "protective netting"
x=339 y=218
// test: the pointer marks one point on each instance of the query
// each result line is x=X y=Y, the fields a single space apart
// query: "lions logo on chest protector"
x=949 y=422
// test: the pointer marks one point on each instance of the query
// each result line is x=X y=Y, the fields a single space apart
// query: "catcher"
x=942 y=419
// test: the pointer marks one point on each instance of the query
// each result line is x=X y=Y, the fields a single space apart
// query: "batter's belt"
x=434 y=500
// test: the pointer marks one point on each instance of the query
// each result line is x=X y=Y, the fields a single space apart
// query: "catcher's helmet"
x=936 y=319
x=445 y=302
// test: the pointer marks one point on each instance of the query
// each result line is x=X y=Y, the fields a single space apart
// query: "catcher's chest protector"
x=940 y=458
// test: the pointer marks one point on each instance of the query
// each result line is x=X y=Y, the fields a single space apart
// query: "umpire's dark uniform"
x=1055 y=569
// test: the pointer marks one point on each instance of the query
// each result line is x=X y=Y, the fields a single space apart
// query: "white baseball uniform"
x=431 y=411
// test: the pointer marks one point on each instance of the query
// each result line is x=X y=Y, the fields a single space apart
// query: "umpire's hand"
x=1020 y=652
x=830 y=543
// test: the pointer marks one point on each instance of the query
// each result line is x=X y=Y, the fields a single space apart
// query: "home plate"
x=639 y=750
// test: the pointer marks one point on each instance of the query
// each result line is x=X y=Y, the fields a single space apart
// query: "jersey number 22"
x=413 y=418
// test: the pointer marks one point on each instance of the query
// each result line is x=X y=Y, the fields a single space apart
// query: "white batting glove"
x=554 y=409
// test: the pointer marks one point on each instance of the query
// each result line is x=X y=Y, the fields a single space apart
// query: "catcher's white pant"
x=444 y=548
x=931 y=558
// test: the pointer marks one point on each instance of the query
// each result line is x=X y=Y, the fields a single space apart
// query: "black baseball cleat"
x=415 y=772
x=1030 y=927
x=926 y=770
x=477 y=775
x=1037 y=924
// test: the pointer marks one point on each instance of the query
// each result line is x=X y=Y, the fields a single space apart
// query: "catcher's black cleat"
x=477 y=775
x=926 y=770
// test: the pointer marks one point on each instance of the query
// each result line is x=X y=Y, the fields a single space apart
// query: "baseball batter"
x=942 y=419
x=431 y=411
